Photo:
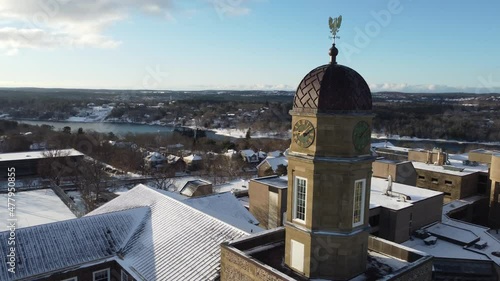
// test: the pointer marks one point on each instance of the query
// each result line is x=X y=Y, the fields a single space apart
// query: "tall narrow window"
x=359 y=203
x=299 y=202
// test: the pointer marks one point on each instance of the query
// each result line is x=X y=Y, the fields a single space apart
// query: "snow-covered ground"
x=93 y=114
x=34 y=208
x=381 y=136
x=241 y=133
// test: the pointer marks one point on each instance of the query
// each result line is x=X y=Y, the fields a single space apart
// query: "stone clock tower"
x=329 y=174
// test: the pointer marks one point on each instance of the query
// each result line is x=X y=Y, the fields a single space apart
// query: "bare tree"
x=55 y=164
x=91 y=180
x=162 y=177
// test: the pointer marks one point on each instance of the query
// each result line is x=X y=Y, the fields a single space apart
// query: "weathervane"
x=334 y=26
x=334 y=29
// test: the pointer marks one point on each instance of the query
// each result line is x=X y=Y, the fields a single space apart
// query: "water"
x=119 y=129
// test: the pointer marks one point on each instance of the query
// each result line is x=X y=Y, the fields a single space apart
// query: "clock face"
x=303 y=133
x=361 y=135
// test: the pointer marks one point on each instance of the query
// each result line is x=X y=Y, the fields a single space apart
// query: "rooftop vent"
x=431 y=240
x=480 y=244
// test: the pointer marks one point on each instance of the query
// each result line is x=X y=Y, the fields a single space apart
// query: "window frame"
x=362 y=203
x=99 y=271
x=295 y=199
x=75 y=278
x=123 y=275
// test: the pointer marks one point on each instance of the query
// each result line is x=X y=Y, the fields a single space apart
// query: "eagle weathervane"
x=334 y=26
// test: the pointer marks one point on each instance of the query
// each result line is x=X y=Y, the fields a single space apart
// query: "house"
x=193 y=161
x=249 y=156
x=143 y=234
x=272 y=166
x=176 y=163
x=154 y=160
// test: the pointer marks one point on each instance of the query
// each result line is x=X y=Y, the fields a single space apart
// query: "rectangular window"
x=124 y=276
x=359 y=203
x=299 y=204
x=447 y=182
x=434 y=180
x=101 y=275
x=421 y=177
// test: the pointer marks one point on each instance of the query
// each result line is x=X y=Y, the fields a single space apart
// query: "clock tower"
x=329 y=174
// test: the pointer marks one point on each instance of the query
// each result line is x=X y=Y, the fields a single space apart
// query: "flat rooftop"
x=274 y=181
x=39 y=154
x=402 y=195
x=456 y=239
x=34 y=208
x=467 y=170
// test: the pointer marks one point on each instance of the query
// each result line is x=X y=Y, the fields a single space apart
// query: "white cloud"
x=432 y=88
x=36 y=24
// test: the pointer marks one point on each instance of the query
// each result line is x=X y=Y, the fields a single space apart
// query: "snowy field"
x=34 y=208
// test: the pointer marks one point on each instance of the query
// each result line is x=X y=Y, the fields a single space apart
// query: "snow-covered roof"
x=276 y=153
x=178 y=183
x=274 y=162
x=39 y=154
x=396 y=202
x=467 y=170
x=36 y=207
x=51 y=247
x=455 y=231
x=247 y=152
x=227 y=208
x=176 y=242
x=192 y=157
x=457 y=160
x=235 y=185
x=155 y=157
x=275 y=181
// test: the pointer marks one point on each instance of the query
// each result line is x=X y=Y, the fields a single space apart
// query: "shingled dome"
x=332 y=87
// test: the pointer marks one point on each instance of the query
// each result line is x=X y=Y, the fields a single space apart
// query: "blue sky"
x=396 y=45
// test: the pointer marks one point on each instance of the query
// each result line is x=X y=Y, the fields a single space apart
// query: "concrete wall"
x=460 y=186
x=427 y=211
x=494 y=216
x=429 y=157
x=258 y=194
x=481 y=157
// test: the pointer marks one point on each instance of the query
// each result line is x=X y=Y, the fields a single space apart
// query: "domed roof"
x=332 y=87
